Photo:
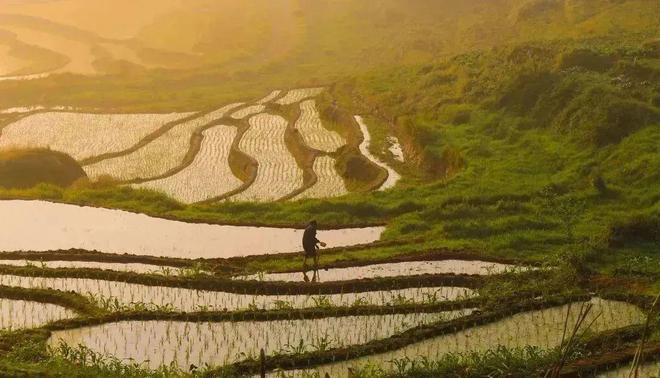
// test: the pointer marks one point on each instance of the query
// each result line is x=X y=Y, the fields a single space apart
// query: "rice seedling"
x=248 y=111
x=392 y=176
x=329 y=183
x=297 y=95
x=540 y=328
x=208 y=176
x=119 y=267
x=408 y=268
x=83 y=135
x=126 y=294
x=161 y=155
x=159 y=343
x=311 y=129
x=278 y=173
x=270 y=97
x=17 y=314
x=649 y=369
x=92 y=363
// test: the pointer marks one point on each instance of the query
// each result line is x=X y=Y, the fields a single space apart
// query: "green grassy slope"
x=247 y=48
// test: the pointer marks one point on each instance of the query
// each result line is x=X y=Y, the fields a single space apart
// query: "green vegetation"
x=21 y=169
x=530 y=128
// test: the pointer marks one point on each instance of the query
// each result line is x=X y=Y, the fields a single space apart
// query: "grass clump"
x=499 y=362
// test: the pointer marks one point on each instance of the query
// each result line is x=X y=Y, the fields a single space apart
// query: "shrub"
x=587 y=59
x=23 y=169
x=634 y=229
x=599 y=117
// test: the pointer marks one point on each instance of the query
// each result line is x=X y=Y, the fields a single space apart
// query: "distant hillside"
x=219 y=47
x=598 y=97
x=20 y=169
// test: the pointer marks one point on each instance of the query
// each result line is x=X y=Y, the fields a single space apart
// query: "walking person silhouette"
x=311 y=247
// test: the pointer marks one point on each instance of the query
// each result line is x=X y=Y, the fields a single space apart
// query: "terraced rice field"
x=83 y=135
x=81 y=58
x=120 y=51
x=296 y=95
x=17 y=314
x=194 y=300
x=24 y=77
x=270 y=97
x=542 y=328
x=115 y=231
x=159 y=151
x=208 y=176
x=34 y=108
x=278 y=173
x=329 y=183
x=248 y=111
x=159 y=156
x=117 y=267
x=158 y=343
x=311 y=129
x=409 y=268
x=392 y=176
x=8 y=63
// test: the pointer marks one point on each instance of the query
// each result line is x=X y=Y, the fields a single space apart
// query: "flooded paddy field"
x=194 y=300
x=116 y=231
x=540 y=328
x=117 y=267
x=18 y=314
x=158 y=343
x=408 y=268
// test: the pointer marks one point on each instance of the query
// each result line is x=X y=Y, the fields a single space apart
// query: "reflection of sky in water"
x=161 y=342
x=43 y=226
x=410 y=268
x=193 y=300
x=122 y=267
x=15 y=314
x=542 y=328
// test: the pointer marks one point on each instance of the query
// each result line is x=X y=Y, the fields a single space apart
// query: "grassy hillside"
x=241 y=49
x=22 y=169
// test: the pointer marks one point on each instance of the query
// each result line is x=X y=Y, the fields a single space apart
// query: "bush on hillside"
x=635 y=229
x=587 y=59
x=599 y=117
x=22 y=169
x=522 y=94
x=537 y=9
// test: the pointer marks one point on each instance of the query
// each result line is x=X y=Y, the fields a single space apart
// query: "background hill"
x=212 y=48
